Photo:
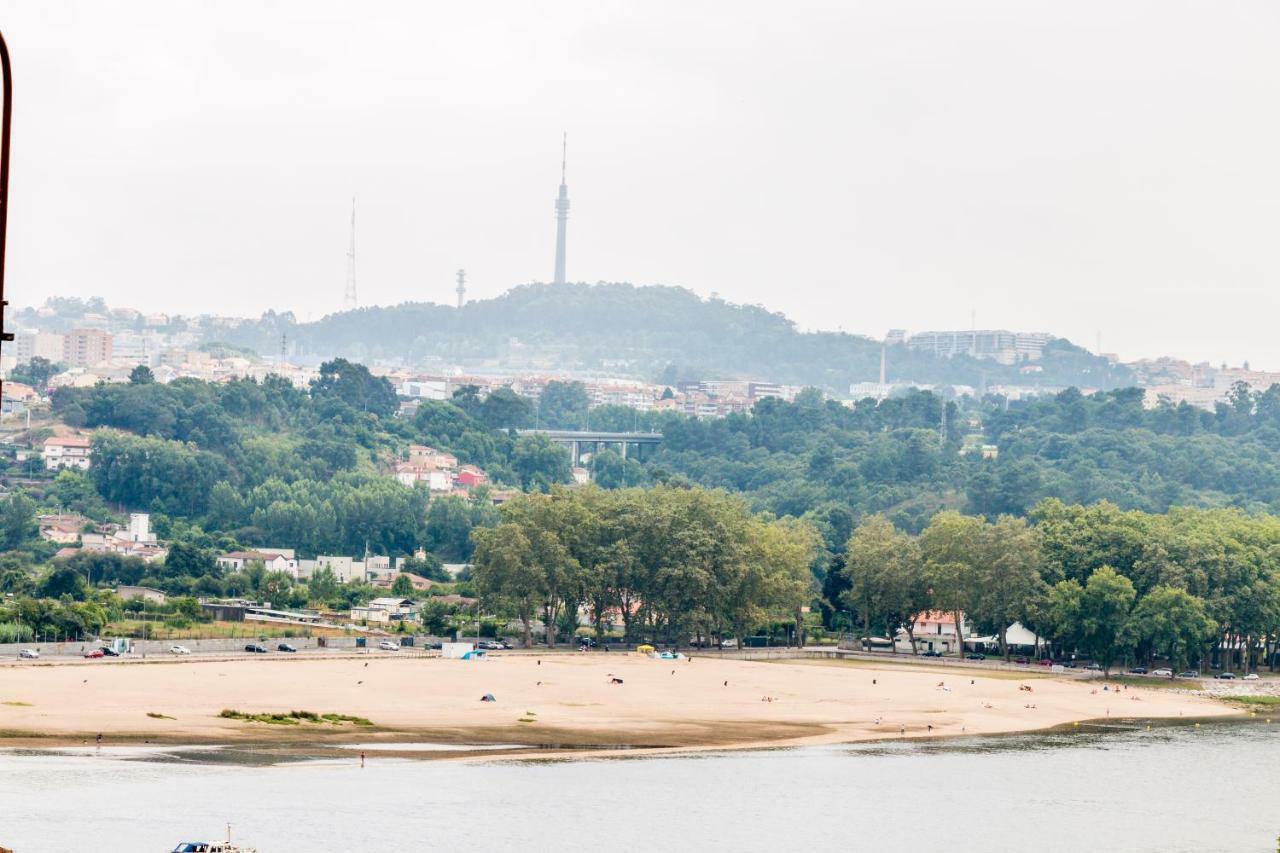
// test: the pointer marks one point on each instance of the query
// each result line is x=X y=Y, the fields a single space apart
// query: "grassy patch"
x=889 y=665
x=16 y=704
x=214 y=630
x=157 y=716
x=1260 y=701
x=293 y=718
x=526 y=720
x=1155 y=682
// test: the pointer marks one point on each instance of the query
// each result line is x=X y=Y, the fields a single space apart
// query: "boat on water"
x=212 y=847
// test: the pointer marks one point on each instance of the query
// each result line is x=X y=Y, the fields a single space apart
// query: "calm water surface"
x=1216 y=788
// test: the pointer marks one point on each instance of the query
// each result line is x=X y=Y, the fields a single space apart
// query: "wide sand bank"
x=559 y=699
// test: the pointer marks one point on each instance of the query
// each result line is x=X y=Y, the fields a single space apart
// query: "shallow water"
x=1215 y=788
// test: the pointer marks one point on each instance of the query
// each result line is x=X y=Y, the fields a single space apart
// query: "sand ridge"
x=563 y=699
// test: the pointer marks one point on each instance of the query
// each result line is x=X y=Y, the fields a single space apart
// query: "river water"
x=1214 y=788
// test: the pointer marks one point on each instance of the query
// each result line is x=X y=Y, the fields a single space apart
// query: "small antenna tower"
x=349 y=300
x=462 y=287
x=284 y=347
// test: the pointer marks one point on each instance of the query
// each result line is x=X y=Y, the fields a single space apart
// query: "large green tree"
x=1173 y=622
x=1104 y=616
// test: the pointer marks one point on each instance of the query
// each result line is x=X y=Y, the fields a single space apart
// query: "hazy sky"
x=1071 y=167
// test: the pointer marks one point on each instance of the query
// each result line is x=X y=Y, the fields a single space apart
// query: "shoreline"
x=278 y=752
x=556 y=706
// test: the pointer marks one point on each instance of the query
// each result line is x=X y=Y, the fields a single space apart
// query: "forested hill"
x=665 y=333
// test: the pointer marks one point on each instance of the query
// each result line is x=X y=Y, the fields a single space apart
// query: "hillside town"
x=107 y=344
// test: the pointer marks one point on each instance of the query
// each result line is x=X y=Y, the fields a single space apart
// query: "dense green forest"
x=660 y=333
x=268 y=461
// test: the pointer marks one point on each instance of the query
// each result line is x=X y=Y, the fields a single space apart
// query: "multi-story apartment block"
x=86 y=348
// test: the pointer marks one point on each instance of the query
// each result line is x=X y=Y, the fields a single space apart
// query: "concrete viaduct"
x=575 y=439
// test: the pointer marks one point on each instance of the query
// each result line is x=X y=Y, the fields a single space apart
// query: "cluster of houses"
x=376 y=570
x=77 y=533
x=440 y=471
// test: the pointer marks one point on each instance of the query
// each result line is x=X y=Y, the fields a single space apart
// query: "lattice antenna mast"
x=349 y=300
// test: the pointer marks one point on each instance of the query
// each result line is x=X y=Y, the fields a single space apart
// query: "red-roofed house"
x=470 y=476
x=70 y=451
x=935 y=631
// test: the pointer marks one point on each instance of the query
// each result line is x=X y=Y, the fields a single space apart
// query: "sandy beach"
x=560 y=699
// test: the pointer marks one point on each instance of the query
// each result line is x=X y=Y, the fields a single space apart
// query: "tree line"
x=1190 y=586
x=670 y=564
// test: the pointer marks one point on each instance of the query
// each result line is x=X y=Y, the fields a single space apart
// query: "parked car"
x=389 y=646
x=1253 y=676
x=256 y=648
x=1137 y=670
x=286 y=647
x=1070 y=664
x=93 y=653
x=975 y=656
x=110 y=652
x=1163 y=673
x=931 y=654
x=1094 y=667
x=1188 y=673
x=1022 y=660
x=1045 y=661
x=728 y=643
x=29 y=654
x=492 y=645
x=179 y=650
x=586 y=642
x=1225 y=676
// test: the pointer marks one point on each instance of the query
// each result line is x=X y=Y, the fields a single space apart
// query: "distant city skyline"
x=856 y=167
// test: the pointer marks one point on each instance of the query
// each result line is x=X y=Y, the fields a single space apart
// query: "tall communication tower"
x=462 y=287
x=562 y=212
x=349 y=300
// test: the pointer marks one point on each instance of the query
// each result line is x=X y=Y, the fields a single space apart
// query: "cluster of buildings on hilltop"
x=101 y=350
x=77 y=533
x=998 y=345
x=105 y=346
x=1202 y=385
x=705 y=398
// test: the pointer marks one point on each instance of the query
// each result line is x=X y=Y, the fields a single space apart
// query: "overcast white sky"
x=1071 y=167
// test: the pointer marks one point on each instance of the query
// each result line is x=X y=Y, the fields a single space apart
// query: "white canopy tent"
x=1016 y=635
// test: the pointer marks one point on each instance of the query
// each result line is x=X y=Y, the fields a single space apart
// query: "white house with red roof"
x=68 y=451
x=934 y=630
